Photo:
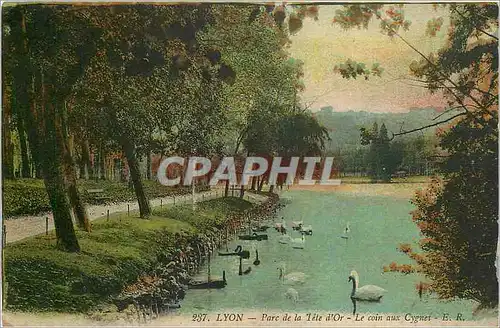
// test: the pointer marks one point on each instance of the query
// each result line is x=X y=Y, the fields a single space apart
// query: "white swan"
x=292 y=294
x=299 y=243
x=284 y=239
x=296 y=225
x=347 y=229
x=365 y=293
x=293 y=278
x=280 y=227
x=308 y=230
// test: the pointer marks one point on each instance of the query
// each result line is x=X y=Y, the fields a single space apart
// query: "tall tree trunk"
x=70 y=177
x=53 y=168
x=97 y=165
x=25 y=162
x=226 y=189
x=238 y=143
x=61 y=208
x=261 y=183
x=7 y=145
x=74 y=196
x=44 y=129
x=254 y=181
x=85 y=159
x=102 y=162
x=135 y=174
x=38 y=172
x=20 y=102
x=149 y=171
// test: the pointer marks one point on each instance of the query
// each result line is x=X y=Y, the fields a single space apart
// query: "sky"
x=321 y=45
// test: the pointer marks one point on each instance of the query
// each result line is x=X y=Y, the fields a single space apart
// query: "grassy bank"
x=28 y=196
x=114 y=255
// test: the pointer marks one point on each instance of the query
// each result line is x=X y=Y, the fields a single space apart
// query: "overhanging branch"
x=427 y=126
x=455 y=86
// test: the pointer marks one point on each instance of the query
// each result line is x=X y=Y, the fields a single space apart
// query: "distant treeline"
x=415 y=156
x=412 y=154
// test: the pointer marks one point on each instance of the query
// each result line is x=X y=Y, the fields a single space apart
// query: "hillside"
x=344 y=126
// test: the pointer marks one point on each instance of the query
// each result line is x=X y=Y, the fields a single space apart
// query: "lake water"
x=378 y=225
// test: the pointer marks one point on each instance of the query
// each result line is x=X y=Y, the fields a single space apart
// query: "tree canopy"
x=458 y=215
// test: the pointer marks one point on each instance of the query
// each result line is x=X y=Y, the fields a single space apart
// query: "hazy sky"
x=321 y=45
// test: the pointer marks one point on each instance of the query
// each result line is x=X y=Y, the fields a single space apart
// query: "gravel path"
x=26 y=226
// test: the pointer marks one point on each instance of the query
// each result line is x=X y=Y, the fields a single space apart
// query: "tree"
x=300 y=135
x=7 y=144
x=384 y=157
x=458 y=215
x=252 y=42
x=48 y=43
x=146 y=80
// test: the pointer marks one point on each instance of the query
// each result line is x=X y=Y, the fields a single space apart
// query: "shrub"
x=40 y=277
x=28 y=196
x=24 y=197
x=114 y=255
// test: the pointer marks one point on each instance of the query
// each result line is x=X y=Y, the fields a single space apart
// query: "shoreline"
x=397 y=190
x=115 y=318
x=166 y=282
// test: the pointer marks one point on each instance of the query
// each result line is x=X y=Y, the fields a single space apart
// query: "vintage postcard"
x=242 y=164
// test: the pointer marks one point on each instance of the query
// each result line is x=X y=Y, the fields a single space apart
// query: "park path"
x=21 y=227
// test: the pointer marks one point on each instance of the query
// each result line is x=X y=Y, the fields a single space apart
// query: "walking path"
x=26 y=226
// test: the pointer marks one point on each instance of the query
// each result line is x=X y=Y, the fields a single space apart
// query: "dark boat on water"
x=210 y=284
x=237 y=252
x=261 y=228
x=253 y=236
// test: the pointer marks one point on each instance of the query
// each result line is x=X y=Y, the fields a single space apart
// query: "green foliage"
x=300 y=134
x=344 y=127
x=295 y=13
x=359 y=15
x=355 y=15
x=416 y=153
x=24 y=197
x=143 y=78
x=458 y=216
x=384 y=157
x=352 y=69
x=29 y=197
x=433 y=26
x=267 y=80
x=42 y=278
x=209 y=214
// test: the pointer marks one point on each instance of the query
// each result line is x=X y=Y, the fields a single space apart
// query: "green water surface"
x=378 y=225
